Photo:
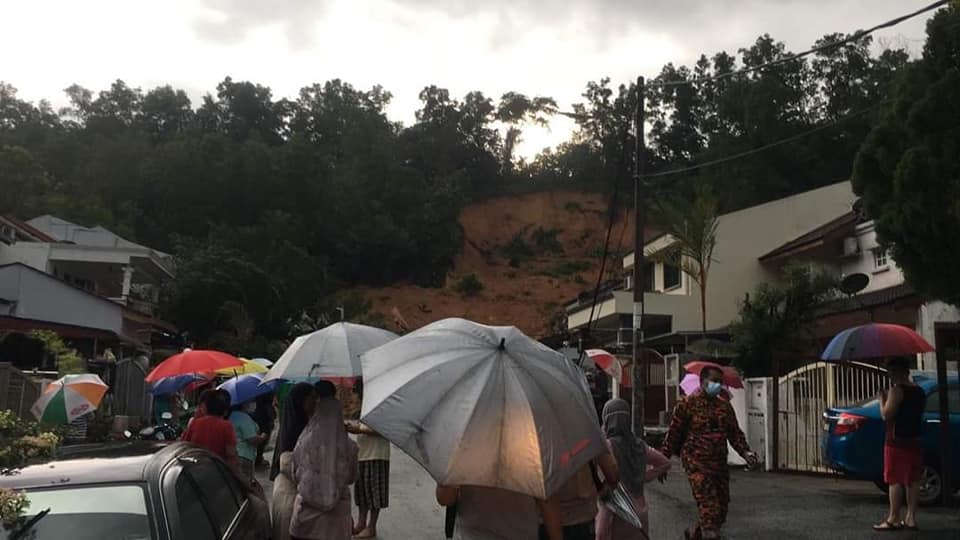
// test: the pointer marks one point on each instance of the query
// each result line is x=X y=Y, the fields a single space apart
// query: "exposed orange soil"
x=529 y=294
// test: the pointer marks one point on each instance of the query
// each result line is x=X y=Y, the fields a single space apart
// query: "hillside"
x=531 y=254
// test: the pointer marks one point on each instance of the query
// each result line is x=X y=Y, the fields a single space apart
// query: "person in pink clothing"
x=638 y=464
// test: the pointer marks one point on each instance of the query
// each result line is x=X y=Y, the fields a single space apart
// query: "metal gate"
x=130 y=397
x=18 y=391
x=805 y=393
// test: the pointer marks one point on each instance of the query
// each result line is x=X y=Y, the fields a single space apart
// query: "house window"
x=880 y=259
x=671 y=276
x=649 y=273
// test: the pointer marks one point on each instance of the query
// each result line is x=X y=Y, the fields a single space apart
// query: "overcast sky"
x=547 y=47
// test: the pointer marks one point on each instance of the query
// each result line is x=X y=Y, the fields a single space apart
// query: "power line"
x=765 y=147
x=853 y=37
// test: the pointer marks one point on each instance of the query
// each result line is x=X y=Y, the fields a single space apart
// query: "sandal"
x=886 y=526
x=911 y=528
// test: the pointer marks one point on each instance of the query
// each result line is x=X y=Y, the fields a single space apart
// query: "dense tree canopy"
x=908 y=171
x=272 y=205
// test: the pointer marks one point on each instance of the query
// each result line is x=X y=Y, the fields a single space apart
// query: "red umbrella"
x=875 y=340
x=730 y=376
x=611 y=366
x=193 y=361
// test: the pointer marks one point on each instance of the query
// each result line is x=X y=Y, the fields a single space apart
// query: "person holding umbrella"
x=902 y=409
x=297 y=410
x=249 y=438
x=214 y=432
x=701 y=427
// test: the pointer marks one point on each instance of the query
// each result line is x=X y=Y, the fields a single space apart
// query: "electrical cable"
x=851 y=38
x=765 y=147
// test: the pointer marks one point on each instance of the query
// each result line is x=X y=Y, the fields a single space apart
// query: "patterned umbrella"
x=69 y=398
x=875 y=340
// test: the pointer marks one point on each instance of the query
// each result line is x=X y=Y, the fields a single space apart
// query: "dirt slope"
x=531 y=254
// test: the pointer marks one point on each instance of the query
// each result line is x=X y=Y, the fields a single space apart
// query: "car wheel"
x=931 y=485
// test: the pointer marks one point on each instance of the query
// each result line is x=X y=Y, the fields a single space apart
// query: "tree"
x=779 y=318
x=908 y=169
x=693 y=227
x=23 y=182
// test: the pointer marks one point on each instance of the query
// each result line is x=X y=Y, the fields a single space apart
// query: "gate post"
x=775 y=446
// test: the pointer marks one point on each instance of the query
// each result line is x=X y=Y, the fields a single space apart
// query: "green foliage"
x=908 y=170
x=568 y=267
x=68 y=360
x=272 y=204
x=693 y=226
x=545 y=241
x=468 y=285
x=780 y=318
x=21 y=443
x=517 y=250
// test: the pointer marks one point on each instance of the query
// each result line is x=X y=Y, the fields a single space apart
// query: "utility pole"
x=639 y=365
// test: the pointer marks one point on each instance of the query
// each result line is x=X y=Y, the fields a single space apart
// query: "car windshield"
x=89 y=513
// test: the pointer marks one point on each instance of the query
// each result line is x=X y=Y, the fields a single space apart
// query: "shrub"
x=468 y=285
x=545 y=241
x=567 y=268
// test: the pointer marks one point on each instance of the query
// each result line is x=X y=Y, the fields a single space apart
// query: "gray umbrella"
x=482 y=406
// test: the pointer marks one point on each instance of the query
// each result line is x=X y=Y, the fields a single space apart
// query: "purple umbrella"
x=690 y=384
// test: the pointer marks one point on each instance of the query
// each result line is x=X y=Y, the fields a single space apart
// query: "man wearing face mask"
x=702 y=425
x=249 y=438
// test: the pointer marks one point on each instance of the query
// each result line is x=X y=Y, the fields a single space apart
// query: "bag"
x=450 y=520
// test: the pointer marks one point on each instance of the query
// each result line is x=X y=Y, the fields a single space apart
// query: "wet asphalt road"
x=764 y=506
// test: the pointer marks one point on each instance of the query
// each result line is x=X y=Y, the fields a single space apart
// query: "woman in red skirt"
x=902 y=409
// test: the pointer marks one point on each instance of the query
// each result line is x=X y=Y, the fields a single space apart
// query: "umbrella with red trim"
x=875 y=340
x=730 y=376
x=193 y=362
x=610 y=365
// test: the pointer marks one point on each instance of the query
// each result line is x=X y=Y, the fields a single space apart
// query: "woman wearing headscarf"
x=637 y=463
x=324 y=466
x=298 y=407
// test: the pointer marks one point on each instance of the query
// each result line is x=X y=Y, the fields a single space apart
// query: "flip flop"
x=886 y=526
x=911 y=528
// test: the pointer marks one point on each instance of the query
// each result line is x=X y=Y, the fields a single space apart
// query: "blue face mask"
x=713 y=388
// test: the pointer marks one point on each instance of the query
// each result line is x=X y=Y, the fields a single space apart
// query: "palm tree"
x=693 y=227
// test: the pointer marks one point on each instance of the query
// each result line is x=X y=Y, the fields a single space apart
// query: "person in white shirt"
x=372 y=491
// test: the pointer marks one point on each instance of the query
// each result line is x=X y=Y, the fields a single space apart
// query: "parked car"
x=139 y=490
x=852 y=441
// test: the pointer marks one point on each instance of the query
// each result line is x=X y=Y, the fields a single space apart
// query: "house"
x=113 y=274
x=847 y=245
x=672 y=298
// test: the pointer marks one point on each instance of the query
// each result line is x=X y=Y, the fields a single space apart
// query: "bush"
x=545 y=241
x=517 y=250
x=469 y=285
x=567 y=268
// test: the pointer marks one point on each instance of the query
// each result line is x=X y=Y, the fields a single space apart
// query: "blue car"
x=852 y=441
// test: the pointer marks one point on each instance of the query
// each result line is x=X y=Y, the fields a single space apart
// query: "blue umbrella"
x=169 y=385
x=247 y=387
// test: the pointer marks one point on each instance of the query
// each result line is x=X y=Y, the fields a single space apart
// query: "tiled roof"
x=848 y=220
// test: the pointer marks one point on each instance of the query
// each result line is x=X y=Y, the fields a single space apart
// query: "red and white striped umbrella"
x=611 y=365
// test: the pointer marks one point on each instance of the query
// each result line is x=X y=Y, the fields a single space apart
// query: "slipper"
x=886 y=526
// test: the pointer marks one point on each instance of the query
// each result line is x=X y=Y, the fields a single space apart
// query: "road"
x=765 y=506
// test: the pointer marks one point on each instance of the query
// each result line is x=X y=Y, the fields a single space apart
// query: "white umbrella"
x=333 y=352
x=483 y=406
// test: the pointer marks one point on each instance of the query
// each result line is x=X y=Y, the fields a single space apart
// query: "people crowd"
x=315 y=462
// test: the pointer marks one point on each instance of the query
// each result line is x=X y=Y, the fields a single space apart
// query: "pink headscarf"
x=324 y=457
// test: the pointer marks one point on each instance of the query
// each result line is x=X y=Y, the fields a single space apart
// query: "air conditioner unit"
x=850 y=246
x=671 y=366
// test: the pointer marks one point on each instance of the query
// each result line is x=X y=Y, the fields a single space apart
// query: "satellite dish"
x=854 y=283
